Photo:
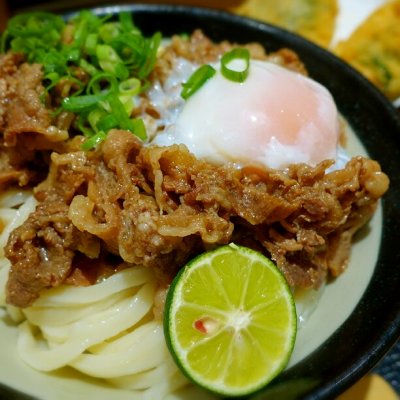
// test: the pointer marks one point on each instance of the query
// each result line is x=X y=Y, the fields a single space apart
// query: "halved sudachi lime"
x=230 y=320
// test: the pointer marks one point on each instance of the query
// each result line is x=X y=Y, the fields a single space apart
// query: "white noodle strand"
x=66 y=296
x=84 y=333
x=133 y=359
x=106 y=330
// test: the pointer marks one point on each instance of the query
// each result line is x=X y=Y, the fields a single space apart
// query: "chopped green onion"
x=231 y=74
x=118 y=110
x=94 y=117
x=127 y=90
x=102 y=82
x=139 y=129
x=80 y=34
x=91 y=43
x=121 y=71
x=151 y=47
x=197 y=80
x=128 y=102
x=131 y=48
x=126 y=22
x=105 y=105
x=93 y=141
x=107 y=122
x=71 y=86
x=34 y=24
x=82 y=120
x=109 y=31
x=130 y=87
x=87 y=67
x=72 y=54
x=110 y=61
x=53 y=77
x=81 y=103
x=114 y=54
x=92 y=20
x=52 y=60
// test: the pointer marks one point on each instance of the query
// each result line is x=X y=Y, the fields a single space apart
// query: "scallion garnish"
x=151 y=48
x=126 y=22
x=110 y=61
x=130 y=87
x=94 y=140
x=106 y=123
x=90 y=69
x=35 y=24
x=139 y=129
x=93 y=118
x=127 y=91
x=91 y=43
x=197 y=80
x=102 y=82
x=94 y=66
x=232 y=74
x=81 y=103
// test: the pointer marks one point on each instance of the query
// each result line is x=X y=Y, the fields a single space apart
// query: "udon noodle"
x=107 y=330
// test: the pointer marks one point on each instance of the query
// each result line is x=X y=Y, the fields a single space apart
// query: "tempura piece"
x=312 y=19
x=374 y=48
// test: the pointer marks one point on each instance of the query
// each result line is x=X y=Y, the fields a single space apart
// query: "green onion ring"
x=94 y=87
x=235 y=54
x=130 y=86
x=197 y=80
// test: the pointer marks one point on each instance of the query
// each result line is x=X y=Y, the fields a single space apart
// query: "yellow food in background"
x=313 y=19
x=371 y=387
x=374 y=49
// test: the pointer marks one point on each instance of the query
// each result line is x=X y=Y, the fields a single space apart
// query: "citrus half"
x=230 y=320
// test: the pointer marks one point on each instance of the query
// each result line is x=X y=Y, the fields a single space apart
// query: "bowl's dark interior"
x=375 y=324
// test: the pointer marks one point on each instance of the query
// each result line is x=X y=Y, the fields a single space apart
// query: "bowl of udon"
x=123 y=157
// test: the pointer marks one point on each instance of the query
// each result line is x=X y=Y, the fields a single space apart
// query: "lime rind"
x=202 y=358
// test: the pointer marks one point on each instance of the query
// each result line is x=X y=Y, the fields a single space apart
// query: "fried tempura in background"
x=374 y=48
x=313 y=19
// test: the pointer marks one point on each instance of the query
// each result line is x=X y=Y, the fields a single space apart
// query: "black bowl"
x=374 y=325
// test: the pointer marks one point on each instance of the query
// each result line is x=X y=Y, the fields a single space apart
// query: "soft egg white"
x=276 y=117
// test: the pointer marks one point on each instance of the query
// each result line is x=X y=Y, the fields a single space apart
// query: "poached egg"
x=274 y=118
